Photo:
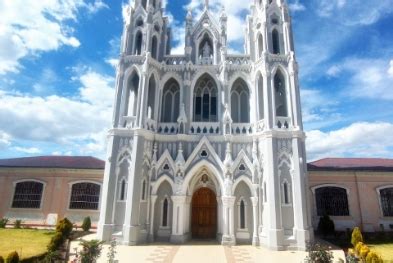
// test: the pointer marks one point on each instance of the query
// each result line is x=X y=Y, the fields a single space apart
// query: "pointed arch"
x=240 y=98
x=260 y=45
x=280 y=94
x=151 y=100
x=138 y=43
x=276 y=42
x=131 y=95
x=205 y=99
x=154 y=47
x=170 y=101
x=260 y=96
x=144 y=3
x=205 y=49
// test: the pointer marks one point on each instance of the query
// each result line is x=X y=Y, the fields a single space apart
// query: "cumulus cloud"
x=29 y=27
x=390 y=70
x=5 y=140
x=362 y=139
x=80 y=121
x=296 y=6
x=31 y=150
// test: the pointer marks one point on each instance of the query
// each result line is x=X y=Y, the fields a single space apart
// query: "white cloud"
x=5 y=140
x=354 y=12
x=30 y=26
x=333 y=71
x=79 y=122
x=296 y=6
x=390 y=70
x=31 y=150
x=361 y=139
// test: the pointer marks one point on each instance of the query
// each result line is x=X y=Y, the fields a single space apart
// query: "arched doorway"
x=204 y=214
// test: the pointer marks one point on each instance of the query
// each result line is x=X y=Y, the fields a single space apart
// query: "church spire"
x=206 y=4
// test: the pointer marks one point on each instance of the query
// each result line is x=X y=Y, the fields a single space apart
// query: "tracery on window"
x=170 y=101
x=332 y=201
x=85 y=196
x=387 y=201
x=240 y=106
x=205 y=100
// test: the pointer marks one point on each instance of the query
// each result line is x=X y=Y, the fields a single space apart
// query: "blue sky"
x=57 y=72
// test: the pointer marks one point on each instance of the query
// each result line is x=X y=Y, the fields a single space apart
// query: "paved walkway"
x=201 y=252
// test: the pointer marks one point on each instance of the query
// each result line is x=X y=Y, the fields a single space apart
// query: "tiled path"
x=203 y=252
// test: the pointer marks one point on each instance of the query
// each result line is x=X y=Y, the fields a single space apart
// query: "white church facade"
x=207 y=145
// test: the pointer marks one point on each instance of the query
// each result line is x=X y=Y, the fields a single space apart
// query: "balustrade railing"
x=238 y=59
x=167 y=128
x=175 y=60
x=241 y=128
x=151 y=125
x=283 y=123
x=134 y=59
x=205 y=128
x=129 y=121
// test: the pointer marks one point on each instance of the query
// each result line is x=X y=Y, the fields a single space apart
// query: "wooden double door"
x=204 y=214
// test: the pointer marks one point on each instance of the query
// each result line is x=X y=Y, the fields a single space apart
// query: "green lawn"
x=27 y=242
x=385 y=250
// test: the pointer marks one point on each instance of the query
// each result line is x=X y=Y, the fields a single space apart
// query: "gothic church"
x=207 y=145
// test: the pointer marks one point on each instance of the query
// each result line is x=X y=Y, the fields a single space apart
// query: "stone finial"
x=206 y=4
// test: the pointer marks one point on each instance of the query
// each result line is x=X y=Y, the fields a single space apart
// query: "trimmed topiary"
x=326 y=226
x=64 y=226
x=12 y=257
x=358 y=247
x=86 y=225
x=373 y=257
x=56 y=241
x=1 y=259
x=356 y=237
x=18 y=224
x=364 y=250
x=3 y=222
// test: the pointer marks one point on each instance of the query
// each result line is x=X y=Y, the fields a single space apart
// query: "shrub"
x=64 y=226
x=91 y=250
x=3 y=222
x=358 y=247
x=51 y=256
x=373 y=257
x=326 y=226
x=12 y=257
x=112 y=251
x=318 y=253
x=364 y=250
x=356 y=236
x=18 y=224
x=86 y=225
x=56 y=241
x=1 y=259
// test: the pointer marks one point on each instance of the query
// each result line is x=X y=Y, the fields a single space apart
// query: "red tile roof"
x=374 y=164
x=70 y=162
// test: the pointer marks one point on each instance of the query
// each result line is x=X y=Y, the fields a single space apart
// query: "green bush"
x=326 y=226
x=64 y=226
x=3 y=222
x=318 y=253
x=12 y=257
x=356 y=237
x=373 y=257
x=86 y=225
x=1 y=259
x=91 y=250
x=55 y=242
x=18 y=224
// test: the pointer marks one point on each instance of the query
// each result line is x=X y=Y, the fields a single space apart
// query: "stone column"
x=179 y=204
x=254 y=201
x=228 y=237
x=153 y=199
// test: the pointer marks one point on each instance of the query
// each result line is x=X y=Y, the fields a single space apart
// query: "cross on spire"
x=206 y=4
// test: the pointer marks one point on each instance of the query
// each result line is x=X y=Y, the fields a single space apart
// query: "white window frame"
x=14 y=183
x=378 y=189
x=70 y=193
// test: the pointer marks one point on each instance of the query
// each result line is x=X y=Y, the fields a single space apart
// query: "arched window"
x=205 y=50
x=205 y=100
x=165 y=207
x=170 y=101
x=143 y=196
x=260 y=97
x=138 y=43
x=276 y=41
x=280 y=95
x=131 y=97
x=387 y=201
x=260 y=45
x=154 y=48
x=85 y=196
x=240 y=106
x=123 y=190
x=242 y=212
x=168 y=43
x=144 y=3
x=28 y=194
x=332 y=201
x=285 y=189
x=152 y=98
x=264 y=192
x=154 y=3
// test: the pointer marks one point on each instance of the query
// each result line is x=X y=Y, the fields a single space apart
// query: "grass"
x=385 y=250
x=27 y=242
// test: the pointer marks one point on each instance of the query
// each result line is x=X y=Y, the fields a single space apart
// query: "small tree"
x=86 y=225
x=51 y=256
x=56 y=241
x=64 y=226
x=326 y=226
x=3 y=222
x=364 y=250
x=18 y=224
x=356 y=237
x=91 y=250
x=12 y=257
x=318 y=253
x=112 y=251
